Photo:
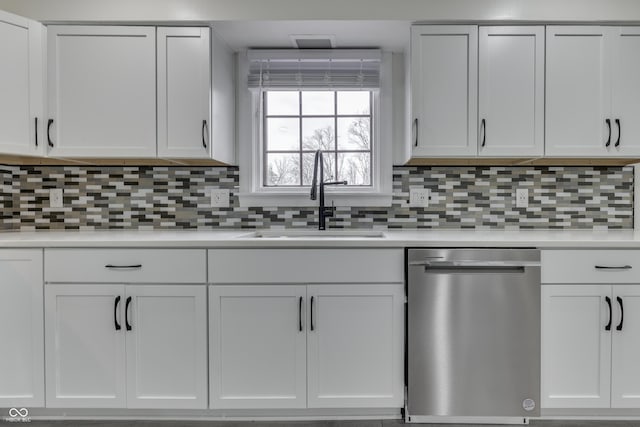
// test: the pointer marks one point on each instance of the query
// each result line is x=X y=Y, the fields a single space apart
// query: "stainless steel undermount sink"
x=314 y=234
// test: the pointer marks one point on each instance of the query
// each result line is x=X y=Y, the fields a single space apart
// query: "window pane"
x=290 y=142
x=283 y=169
x=283 y=134
x=354 y=102
x=329 y=167
x=354 y=133
x=318 y=133
x=318 y=103
x=355 y=168
x=285 y=103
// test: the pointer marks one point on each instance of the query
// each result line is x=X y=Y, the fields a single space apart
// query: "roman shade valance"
x=314 y=69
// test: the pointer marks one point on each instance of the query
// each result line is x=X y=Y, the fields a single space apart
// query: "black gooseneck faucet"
x=323 y=211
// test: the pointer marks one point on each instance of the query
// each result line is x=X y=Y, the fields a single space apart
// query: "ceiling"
x=436 y=11
x=353 y=23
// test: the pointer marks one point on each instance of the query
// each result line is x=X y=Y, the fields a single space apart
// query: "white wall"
x=413 y=10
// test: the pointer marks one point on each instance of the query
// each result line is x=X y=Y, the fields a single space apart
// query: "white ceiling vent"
x=313 y=41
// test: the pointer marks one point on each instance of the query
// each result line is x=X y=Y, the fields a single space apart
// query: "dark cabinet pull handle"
x=613 y=267
x=133 y=266
x=115 y=313
x=311 y=315
x=49 y=123
x=608 y=327
x=126 y=314
x=415 y=124
x=619 y=327
x=204 y=127
x=483 y=126
x=609 y=137
x=36 y=129
x=300 y=315
x=617 y=144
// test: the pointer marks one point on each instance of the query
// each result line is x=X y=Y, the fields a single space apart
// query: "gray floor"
x=372 y=423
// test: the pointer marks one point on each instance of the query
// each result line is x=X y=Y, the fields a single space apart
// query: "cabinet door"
x=257 y=346
x=444 y=71
x=625 y=369
x=511 y=91
x=355 y=346
x=578 y=93
x=84 y=341
x=21 y=328
x=626 y=90
x=21 y=85
x=102 y=91
x=183 y=93
x=576 y=348
x=166 y=346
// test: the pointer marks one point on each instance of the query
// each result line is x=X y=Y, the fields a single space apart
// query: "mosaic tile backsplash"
x=146 y=198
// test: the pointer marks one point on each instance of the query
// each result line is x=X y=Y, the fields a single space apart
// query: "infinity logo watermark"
x=18 y=415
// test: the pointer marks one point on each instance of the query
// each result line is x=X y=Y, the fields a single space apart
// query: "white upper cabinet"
x=444 y=71
x=184 y=125
x=102 y=91
x=223 y=102
x=21 y=85
x=511 y=91
x=625 y=105
x=593 y=84
x=578 y=93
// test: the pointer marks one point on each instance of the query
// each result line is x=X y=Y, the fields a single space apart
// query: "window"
x=297 y=123
x=296 y=102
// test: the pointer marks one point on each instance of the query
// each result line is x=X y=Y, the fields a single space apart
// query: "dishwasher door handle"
x=498 y=265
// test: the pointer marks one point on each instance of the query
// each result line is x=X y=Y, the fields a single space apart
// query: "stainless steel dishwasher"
x=473 y=349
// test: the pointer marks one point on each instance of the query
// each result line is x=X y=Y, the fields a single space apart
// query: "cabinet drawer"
x=125 y=265
x=306 y=266
x=590 y=266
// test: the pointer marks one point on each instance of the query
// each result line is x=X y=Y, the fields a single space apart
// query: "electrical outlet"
x=419 y=197
x=522 y=198
x=219 y=198
x=55 y=198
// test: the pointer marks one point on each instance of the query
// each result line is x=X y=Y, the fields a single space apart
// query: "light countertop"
x=391 y=239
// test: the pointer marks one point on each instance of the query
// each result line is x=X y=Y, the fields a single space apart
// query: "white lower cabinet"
x=257 y=346
x=354 y=346
x=85 y=360
x=316 y=346
x=625 y=354
x=590 y=346
x=21 y=328
x=576 y=348
x=118 y=346
x=167 y=347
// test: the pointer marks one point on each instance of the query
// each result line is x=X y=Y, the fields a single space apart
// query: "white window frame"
x=250 y=122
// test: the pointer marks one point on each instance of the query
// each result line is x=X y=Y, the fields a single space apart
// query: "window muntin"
x=297 y=123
